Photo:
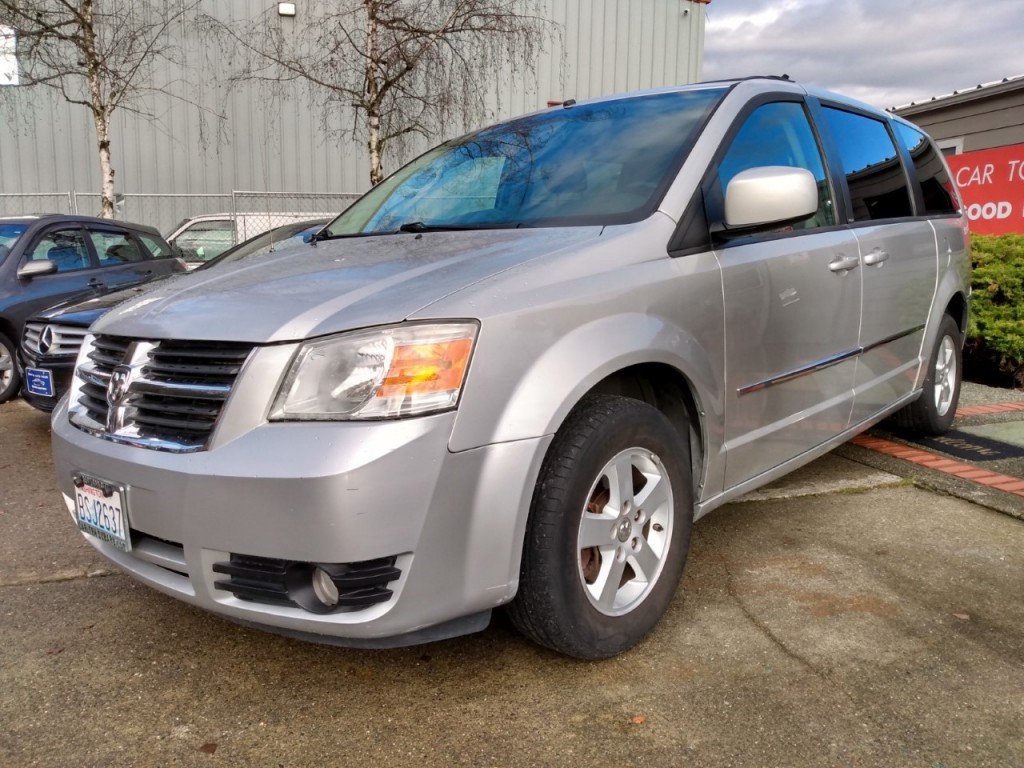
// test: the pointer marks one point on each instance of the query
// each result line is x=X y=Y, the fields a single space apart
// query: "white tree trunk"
x=100 y=112
x=373 y=95
x=106 y=169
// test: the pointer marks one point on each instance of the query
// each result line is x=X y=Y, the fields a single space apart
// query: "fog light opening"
x=324 y=588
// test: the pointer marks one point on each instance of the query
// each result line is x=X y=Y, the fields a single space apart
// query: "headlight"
x=403 y=370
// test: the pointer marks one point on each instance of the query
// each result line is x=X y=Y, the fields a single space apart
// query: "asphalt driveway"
x=869 y=623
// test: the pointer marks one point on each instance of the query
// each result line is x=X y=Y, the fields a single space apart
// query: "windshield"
x=604 y=163
x=9 y=233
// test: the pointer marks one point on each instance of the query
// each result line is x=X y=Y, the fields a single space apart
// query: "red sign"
x=992 y=185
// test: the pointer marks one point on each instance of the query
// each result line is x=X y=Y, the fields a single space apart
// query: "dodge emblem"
x=118 y=386
x=117 y=394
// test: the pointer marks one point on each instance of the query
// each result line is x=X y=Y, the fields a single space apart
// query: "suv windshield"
x=10 y=231
x=590 y=164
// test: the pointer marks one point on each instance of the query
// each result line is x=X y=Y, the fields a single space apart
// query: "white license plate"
x=101 y=510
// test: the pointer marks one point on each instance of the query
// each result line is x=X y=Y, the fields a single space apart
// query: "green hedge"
x=996 y=330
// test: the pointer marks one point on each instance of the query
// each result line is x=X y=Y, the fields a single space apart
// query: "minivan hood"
x=336 y=285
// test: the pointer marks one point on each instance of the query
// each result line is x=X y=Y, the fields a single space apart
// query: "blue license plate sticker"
x=39 y=382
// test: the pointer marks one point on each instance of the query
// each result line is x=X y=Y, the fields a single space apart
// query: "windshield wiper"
x=419 y=226
x=325 y=235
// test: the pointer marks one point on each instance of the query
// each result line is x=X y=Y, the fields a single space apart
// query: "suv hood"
x=331 y=286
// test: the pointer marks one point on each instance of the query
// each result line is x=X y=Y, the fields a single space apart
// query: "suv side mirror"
x=36 y=268
x=770 y=195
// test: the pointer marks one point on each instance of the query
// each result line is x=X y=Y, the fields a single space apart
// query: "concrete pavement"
x=842 y=617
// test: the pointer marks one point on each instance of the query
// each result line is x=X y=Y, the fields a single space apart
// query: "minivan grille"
x=53 y=340
x=268 y=580
x=169 y=394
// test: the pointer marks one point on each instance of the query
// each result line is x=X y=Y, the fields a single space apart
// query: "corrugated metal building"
x=47 y=146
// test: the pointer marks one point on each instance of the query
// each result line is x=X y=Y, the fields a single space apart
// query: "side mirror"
x=770 y=195
x=36 y=268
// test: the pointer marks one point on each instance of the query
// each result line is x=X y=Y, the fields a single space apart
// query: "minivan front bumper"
x=343 y=493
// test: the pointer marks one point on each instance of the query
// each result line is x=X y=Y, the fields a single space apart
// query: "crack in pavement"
x=30 y=580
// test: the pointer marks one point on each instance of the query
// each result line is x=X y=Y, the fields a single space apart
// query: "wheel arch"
x=7 y=329
x=670 y=391
x=957 y=308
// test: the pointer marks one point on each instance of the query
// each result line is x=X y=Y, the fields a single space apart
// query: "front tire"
x=10 y=376
x=608 y=532
x=933 y=413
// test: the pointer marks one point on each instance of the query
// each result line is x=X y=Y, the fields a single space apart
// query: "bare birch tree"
x=99 y=54
x=404 y=66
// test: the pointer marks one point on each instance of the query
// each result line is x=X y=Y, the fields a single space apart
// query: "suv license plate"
x=39 y=381
x=101 y=510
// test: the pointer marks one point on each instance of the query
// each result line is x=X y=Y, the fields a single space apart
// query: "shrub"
x=996 y=329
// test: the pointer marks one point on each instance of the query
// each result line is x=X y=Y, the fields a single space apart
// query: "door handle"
x=844 y=263
x=95 y=282
x=877 y=256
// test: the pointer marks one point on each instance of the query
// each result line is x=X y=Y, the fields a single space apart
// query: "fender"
x=547 y=386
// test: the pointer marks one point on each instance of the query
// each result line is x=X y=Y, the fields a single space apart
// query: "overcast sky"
x=885 y=52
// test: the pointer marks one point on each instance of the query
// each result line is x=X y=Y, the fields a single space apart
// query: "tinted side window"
x=113 y=248
x=936 y=186
x=157 y=247
x=878 y=185
x=780 y=134
x=65 y=248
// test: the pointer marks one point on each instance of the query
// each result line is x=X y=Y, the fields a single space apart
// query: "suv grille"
x=165 y=395
x=53 y=340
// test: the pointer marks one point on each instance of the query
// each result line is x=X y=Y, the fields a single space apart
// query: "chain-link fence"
x=254 y=212
x=34 y=203
x=163 y=211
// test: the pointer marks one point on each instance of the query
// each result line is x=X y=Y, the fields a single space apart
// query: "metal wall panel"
x=279 y=143
x=982 y=124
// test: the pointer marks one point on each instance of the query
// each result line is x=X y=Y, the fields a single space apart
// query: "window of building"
x=878 y=184
x=8 y=56
x=950 y=147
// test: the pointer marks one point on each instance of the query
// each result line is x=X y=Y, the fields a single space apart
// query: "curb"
x=940 y=463
x=935 y=471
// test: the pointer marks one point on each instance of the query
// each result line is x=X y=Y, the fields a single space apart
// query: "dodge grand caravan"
x=518 y=370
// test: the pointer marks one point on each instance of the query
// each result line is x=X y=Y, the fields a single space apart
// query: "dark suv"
x=45 y=259
x=53 y=337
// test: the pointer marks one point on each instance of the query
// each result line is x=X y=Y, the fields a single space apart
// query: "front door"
x=793 y=303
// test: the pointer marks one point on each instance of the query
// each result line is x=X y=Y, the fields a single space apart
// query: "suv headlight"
x=402 y=370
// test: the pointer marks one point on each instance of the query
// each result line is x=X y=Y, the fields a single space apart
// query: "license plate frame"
x=39 y=381
x=101 y=510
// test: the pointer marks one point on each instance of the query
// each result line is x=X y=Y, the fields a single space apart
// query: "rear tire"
x=608 y=532
x=933 y=412
x=10 y=375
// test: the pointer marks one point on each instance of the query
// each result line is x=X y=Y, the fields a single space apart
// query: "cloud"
x=885 y=52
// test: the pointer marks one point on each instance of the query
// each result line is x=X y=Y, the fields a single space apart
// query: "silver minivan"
x=519 y=369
